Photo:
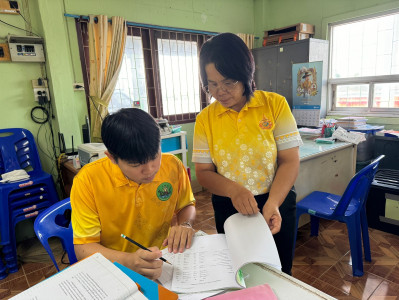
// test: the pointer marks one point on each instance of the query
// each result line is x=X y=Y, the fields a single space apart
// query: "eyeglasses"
x=226 y=85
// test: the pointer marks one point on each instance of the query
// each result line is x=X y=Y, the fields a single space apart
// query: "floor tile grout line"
x=26 y=277
x=383 y=279
x=45 y=266
x=328 y=284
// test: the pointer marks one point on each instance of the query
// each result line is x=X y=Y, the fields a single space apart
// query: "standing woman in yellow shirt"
x=246 y=144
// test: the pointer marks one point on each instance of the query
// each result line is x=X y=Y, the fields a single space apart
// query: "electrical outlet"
x=78 y=86
x=40 y=90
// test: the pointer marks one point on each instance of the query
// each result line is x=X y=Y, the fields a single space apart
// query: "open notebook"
x=214 y=261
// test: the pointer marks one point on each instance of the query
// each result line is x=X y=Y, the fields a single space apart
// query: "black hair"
x=132 y=135
x=232 y=59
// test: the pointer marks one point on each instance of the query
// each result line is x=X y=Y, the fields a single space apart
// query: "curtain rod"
x=152 y=26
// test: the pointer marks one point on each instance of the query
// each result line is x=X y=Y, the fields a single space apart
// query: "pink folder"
x=263 y=292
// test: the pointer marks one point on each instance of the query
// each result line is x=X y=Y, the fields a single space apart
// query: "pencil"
x=142 y=247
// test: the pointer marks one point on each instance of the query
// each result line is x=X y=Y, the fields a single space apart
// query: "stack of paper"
x=309 y=131
x=351 y=122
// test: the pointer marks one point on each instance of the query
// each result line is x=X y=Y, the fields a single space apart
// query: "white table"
x=284 y=286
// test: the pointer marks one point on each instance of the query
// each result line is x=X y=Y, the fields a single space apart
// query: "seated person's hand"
x=244 y=201
x=180 y=237
x=272 y=216
x=147 y=263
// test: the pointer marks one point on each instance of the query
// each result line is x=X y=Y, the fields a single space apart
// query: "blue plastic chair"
x=350 y=209
x=51 y=223
x=10 y=249
x=3 y=269
x=18 y=151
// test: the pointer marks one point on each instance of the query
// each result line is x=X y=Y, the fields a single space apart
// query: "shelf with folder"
x=175 y=143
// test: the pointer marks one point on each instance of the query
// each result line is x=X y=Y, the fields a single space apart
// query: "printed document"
x=214 y=261
x=92 y=278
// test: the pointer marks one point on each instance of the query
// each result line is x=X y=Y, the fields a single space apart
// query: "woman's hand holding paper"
x=272 y=216
x=243 y=200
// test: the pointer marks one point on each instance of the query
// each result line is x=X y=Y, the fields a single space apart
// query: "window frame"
x=332 y=83
x=149 y=36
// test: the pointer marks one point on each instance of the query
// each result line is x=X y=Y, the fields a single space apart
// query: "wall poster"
x=306 y=92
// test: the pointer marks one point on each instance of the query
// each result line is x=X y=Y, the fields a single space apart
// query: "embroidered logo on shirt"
x=265 y=123
x=164 y=191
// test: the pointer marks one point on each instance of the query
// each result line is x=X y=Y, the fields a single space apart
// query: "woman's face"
x=226 y=91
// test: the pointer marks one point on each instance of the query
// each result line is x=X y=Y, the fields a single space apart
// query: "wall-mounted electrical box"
x=9 y=7
x=26 y=48
x=40 y=90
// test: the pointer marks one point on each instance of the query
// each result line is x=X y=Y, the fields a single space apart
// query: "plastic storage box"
x=382 y=205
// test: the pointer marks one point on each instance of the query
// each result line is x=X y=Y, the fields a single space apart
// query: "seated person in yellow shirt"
x=131 y=192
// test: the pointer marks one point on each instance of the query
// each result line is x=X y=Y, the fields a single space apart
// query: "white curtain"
x=248 y=39
x=106 y=48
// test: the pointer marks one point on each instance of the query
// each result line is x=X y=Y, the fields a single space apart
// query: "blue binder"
x=148 y=287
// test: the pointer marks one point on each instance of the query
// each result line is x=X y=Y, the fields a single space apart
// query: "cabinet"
x=324 y=167
x=273 y=66
x=175 y=143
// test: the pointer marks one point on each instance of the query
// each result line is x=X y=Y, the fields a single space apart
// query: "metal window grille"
x=159 y=73
x=365 y=63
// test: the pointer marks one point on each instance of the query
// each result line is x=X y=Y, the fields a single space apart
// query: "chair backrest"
x=357 y=190
x=55 y=222
x=18 y=151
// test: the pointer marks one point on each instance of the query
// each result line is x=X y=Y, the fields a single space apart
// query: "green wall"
x=16 y=98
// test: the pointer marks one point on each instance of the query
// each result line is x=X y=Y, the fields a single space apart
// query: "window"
x=179 y=75
x=159 y=73
x=364 y=66
x=131 y=88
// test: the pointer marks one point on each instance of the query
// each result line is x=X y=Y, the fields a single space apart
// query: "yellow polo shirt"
x=243 y=145
x=105 y=204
